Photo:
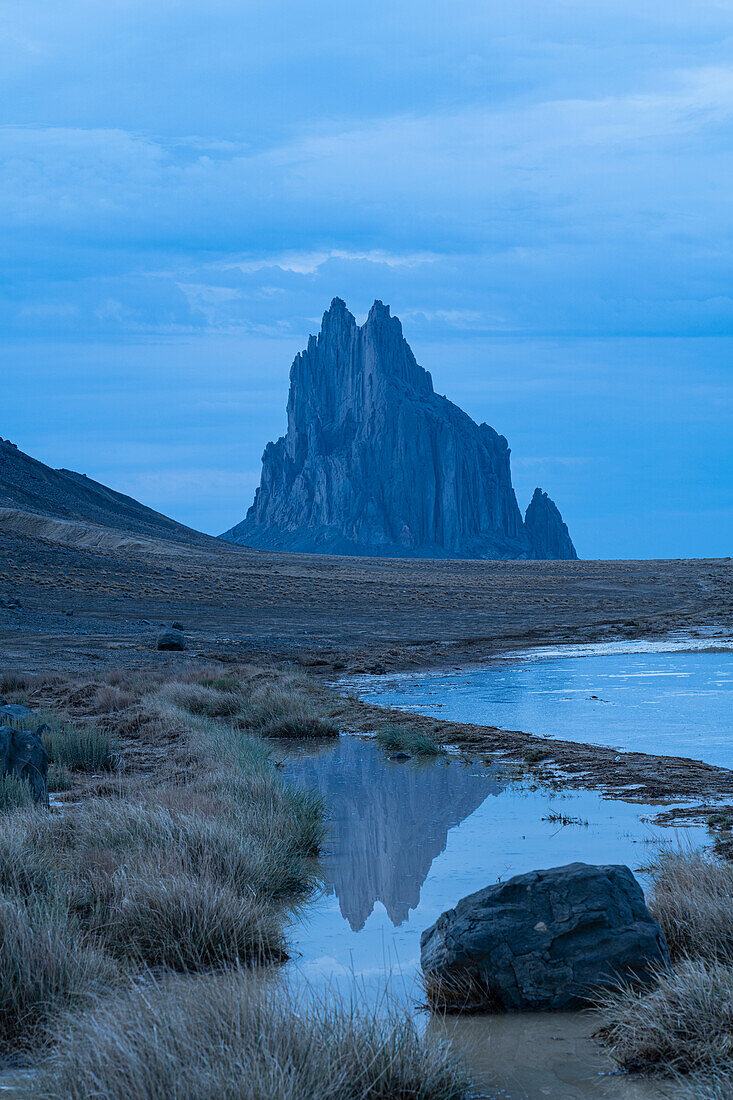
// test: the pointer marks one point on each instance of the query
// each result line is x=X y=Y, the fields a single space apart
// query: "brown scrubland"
x=136 y=912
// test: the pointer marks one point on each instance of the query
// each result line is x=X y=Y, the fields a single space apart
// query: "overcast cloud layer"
x=541 y=192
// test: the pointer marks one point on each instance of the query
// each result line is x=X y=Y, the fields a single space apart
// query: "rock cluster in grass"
x=22 y=752
x=375 y=462
x=543 y=940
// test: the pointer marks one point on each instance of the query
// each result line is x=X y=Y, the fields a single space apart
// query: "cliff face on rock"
x=548 y=535
x=375 y=462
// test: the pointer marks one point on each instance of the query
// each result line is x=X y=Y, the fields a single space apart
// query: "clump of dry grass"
x=59 y=778
x=197 y=875
x=221 y=1038
x=197 y=870
x=87 y=748
x=692 y=898
x=44 y=969
x=398 y=739
x=12 y=683
x=461 y=993
x=198 y=699
x=286 y=709
x=246 y=850
x=162 y=917
x=715 y=1085
x=684 y=1024
x=25 y=869
x=14 y=794
x=274 y=705
x=111 y=699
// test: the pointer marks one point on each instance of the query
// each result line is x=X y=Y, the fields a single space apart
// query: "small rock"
x=176 y=626
x=172 y=640
x=399 y=756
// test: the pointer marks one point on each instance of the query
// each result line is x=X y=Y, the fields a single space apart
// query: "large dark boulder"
x=544 y=940
x=23 y=754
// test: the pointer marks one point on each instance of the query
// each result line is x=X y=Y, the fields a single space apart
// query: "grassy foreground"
x=133 y=917
x=241 y=1042
x=684 y=1025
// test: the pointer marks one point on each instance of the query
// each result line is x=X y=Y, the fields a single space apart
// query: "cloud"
x=307 y=263
x=191 y=184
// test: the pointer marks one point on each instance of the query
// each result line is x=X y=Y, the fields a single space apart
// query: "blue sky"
x=541 y=191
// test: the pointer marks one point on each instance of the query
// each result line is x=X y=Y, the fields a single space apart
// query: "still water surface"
x=673 y=703
x=408 y=841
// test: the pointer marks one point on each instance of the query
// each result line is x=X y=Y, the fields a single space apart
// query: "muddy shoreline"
x=633 y=777
x=84 y=610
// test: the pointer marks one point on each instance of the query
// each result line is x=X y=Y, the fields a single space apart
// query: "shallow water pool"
x=671 y=703
x=408 y=840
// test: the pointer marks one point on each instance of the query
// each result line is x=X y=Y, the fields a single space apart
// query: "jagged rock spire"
x=548 y=535
x=375 y=462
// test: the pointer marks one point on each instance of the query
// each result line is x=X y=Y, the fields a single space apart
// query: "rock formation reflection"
x=390 y=821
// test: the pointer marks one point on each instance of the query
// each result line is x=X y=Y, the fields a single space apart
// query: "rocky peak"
x=375 y=462
x=548 y=535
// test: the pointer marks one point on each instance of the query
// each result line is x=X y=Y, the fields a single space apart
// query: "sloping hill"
x=29 y=486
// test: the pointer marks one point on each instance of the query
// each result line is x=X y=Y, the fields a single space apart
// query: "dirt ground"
x=86 y=609
x=67 y=606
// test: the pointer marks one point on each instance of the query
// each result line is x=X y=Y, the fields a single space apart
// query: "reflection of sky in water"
x=674 y=703
x=410 y=839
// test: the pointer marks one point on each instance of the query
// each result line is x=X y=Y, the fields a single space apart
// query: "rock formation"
x=375 y=462
x=548 y=535
x=542 y=941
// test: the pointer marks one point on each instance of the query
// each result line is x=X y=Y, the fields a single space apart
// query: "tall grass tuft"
x=684 y=1024
x=44 y=969
x=59 y=778
x=200 y=700
x=158 y=917
x=692 y=898
x=79 y=748
x=222 y=1038
x=285 y=708
x=280 y=705
x=14 y=683
x=26 y=868
x=250 y=853
x=14 y=794
x=715 y=1085
x=397 y=739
